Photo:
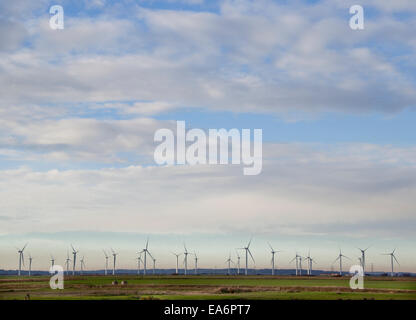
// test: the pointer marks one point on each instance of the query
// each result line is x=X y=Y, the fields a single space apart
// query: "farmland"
x=205 y=287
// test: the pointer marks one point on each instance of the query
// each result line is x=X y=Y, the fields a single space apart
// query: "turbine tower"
x=52 y=261
x=300 y=265
x=177 y=261
x=82 y=264
x=196 y=263
x=340 y=256
x=310 y=262
x=185 y=260
x=247 y=249
x=154 y=264
x=21 y=258
x=30 y=264
x=74 y=252
x=273 y=253
x=238 y=262
x=392 y=256
x=229 y=264
x=363 y=258
x=146 y=252
x=139 y=260
x=297 y=262
x=114 y=260
x=106 y=262
x=67 y=262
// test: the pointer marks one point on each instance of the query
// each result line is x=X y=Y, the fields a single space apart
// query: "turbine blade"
x=248 y=246
x=251 y=255
x=396 y=259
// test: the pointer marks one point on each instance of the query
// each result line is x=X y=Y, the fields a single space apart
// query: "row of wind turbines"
x=145 y=253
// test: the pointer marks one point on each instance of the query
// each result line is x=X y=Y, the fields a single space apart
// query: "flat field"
x=205 y=287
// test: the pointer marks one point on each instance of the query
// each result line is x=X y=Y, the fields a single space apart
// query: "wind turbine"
x=30 y=264
x=52 y=261
x=145 y=251
x=82 y=264
x=196 y=263
x=247 y=249
x=300 y=265
x=114 y=261
x=310 y=261
x=154 y=264
x=185 y=260
x=392 y=256
x=297 y=262
x=273 y=253
x=177 y=261
x=139 y=260
x=340 y=256
x=363 y=258
x=229 y=264
x=67 y=262
x=238 y=262
x=106 y=262
x=74 y=252
x=21 y=258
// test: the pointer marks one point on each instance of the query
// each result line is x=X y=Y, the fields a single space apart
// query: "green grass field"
x=206 y=287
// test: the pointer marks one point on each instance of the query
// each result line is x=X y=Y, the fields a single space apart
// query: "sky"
x=79 y=108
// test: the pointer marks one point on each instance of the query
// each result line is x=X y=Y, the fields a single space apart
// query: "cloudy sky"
x=79 y=108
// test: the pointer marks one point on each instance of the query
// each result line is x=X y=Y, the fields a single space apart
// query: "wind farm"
x=176 y=282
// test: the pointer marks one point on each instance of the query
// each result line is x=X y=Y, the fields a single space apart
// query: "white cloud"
x=260 y=57
x=301 y=189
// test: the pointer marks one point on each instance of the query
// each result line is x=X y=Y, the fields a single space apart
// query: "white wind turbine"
x=300 y=265
x=238 y=262
x=392 y=256
x=82 y=264
x=74 y=253
x=247 y=249
x=177 y=261
x=52 y=261
x=67 y=262
x=273 y=253
x=139 y=260
x=297 y=262
x=114 y=260
x=310 y=262
x=30 y=264
x=146 y=252
x=229 y=264
x=21 y=258
x=363 y=258
x=185 y=260
x=196 y=263
x=106 y=262
x=154 y=263
x=340 y=256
